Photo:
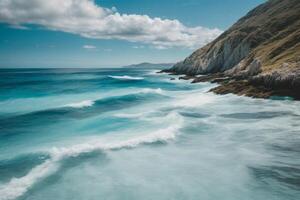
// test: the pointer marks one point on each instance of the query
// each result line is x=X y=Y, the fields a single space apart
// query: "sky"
x=110 y=33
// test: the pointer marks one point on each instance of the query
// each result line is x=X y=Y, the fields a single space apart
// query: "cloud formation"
x=87 y=19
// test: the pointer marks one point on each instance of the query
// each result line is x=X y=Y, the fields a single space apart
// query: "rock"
x=242 y=71
x=186 y=77
x=262 y=49
x=208 y=78
x=243 y=88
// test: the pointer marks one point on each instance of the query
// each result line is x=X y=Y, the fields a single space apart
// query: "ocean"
x=118 y=134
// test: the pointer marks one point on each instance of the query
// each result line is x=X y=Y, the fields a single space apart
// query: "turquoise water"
x=118 y=134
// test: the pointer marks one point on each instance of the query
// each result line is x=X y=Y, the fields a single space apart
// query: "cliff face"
x=263 y=48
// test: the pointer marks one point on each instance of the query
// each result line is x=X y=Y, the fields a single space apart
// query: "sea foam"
x=130 y=115
x=150 y=90
x=195 y=99
x=19 y=186
x=81 y=104
x=125 y=77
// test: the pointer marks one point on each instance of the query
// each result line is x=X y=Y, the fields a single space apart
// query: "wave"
x=46 y=103
x=19 y=186
x=195 y=99
x=154 y=72
x=11 y=124
x=88 y=103
x=130 y=115
x=150 y=90
x=125 y=77
x=162 y=135
x=81 y=104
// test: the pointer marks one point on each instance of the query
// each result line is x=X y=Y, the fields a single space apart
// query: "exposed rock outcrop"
x=262 y=49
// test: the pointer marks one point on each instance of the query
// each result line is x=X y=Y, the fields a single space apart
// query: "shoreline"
x=242 y=87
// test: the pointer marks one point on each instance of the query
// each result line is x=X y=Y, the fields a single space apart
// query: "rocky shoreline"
x=259 y=56
x=242 y=87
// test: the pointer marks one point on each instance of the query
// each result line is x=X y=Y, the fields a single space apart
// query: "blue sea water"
x=117 y=134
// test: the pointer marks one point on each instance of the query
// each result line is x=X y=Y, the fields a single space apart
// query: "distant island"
x=147 y=65
x=259 y=56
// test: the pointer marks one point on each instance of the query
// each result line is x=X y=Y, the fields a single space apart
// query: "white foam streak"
x=130 y=115
x=126 y=77
x=18 y=186
x=162 y=135
x=81 y=104
x=150 y=90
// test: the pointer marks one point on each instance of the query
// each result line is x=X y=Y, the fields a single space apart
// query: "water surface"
x=120 y=134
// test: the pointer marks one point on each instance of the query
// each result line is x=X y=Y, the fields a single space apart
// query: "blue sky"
x=108 y=33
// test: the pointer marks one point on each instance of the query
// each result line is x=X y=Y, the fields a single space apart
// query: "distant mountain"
x=146 y=65
x=259 y=55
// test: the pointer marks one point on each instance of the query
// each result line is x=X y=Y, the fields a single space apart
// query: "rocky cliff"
x=261 y=50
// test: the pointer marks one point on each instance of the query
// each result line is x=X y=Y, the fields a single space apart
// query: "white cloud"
x=89 y=47
x=86 y=18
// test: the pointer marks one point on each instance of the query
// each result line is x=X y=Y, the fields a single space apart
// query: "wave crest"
x=162 y=135
x=150 y=90
x=81 y=104
x=19 y=186
x=125 y=77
